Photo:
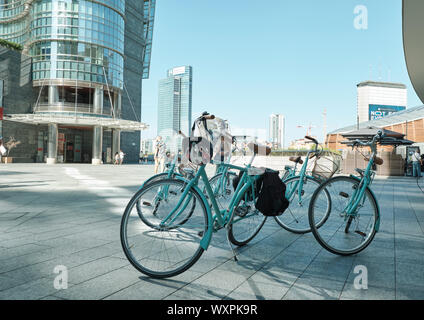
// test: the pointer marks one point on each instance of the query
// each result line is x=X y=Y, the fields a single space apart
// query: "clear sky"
x=253 y=58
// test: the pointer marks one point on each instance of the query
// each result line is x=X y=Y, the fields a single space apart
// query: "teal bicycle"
x=299 y=190
x=354 y=216
x=160 y=241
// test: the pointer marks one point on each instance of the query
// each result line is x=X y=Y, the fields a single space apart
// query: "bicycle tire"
x=146 y=221
x=150 y=252
x=323 y=231
x=295 y=219
x=237 y=220
x=229 y=188
x=160 y=176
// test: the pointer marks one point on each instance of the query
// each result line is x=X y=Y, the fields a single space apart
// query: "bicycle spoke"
x=334 y=234
x=164 y=250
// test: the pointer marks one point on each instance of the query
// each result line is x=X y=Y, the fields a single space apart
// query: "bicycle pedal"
x=147 y=204
x=201 y=233
x=361 y=233
x=241 y=212
x=173 y=193
x=344 y=194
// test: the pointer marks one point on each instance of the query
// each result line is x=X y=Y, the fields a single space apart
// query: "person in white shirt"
x=416 y=164
x=121 y=156
x=3 y=150
x=160 y=154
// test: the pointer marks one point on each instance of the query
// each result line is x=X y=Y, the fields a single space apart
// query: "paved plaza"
x=69 y=215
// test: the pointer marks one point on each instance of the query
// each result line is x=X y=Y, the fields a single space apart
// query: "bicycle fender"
x=377 y=223
x=145 y=183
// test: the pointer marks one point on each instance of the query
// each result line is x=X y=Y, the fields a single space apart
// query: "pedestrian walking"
x=160 y=154
x=416 y=164
x=121 y=156
x=422 y=162
x=3 y=150
x=116 y=158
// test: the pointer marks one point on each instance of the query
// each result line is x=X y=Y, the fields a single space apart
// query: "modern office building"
x=82 y=64
x=175 y=106
x=409 y=122
x=147 y=146
x=276 y=130
x=376 y=100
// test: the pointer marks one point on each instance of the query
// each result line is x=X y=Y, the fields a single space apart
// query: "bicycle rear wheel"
x=295 y=218
x=160 y=249
x=341 y=233
x=246 y=221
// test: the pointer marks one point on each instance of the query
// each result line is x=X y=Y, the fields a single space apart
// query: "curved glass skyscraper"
x=80 y=49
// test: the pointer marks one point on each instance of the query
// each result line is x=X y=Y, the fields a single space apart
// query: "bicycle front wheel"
x=222 y=186
x=159 y=244
x=246 y=221
x=343 y=233
x=295 y=218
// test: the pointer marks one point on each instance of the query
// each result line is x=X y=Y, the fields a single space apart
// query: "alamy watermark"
x=361 y=280
x=61 y=280
x=360 y=22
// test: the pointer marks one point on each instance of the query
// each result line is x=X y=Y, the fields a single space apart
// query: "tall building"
x=87 y=62
x=147 y=146
x=276 y=131
x=376 y=100
x=175 y=106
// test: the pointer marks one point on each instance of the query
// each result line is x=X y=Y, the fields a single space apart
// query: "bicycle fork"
x=351 y=211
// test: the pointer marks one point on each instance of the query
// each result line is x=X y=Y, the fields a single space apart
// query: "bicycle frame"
x=299 y=184
x=220 y=217
x=358 y=196
x=171 y=172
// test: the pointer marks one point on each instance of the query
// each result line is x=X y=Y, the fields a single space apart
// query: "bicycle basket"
x=324 y=167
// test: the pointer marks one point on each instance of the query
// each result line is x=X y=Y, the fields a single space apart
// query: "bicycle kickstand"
x=231 y=247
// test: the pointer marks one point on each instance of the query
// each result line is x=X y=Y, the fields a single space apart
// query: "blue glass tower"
x=175 y=106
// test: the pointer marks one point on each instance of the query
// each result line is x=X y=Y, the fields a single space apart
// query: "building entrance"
x=74 y=145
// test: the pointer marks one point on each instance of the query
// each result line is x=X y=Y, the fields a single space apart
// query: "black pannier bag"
x=272 y=195
x=258 y=184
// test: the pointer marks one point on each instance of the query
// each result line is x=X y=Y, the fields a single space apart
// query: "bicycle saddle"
x=296 y=160
x=377 y=160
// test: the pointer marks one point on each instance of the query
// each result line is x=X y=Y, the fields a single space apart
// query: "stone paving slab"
x=70 y=215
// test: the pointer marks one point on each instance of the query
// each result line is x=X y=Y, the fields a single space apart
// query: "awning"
x=390 y=138
x=77 y=120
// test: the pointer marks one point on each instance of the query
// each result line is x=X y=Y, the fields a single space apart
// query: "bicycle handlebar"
x=315 y=152
x=312 y=139
x=206 y=116
x=371 y=143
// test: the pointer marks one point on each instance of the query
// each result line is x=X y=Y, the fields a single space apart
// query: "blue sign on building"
x=377 y=111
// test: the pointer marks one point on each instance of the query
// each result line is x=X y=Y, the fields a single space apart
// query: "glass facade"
x=175 y=106
x=78 y=40
x=149 y=16
x=13 y=24
x=84 y=61
x=76 y=45
x=81 y=40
